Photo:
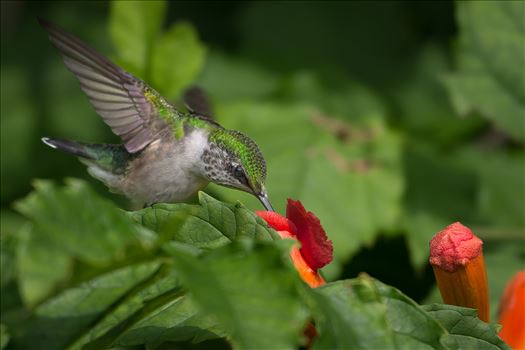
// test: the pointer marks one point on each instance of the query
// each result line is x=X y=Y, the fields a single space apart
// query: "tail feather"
x=104 y=161
x=112 y=158
x=67 y=146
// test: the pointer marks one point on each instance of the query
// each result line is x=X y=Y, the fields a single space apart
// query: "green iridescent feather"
x=244 y=148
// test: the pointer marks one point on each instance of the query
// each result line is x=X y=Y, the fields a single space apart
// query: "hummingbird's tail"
x=77 y=148
x=104 y=161
x=110 y=158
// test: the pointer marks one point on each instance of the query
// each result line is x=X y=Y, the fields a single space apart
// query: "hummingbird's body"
x=167 y=155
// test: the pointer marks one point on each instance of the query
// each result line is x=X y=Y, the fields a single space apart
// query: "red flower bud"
x=457 y=259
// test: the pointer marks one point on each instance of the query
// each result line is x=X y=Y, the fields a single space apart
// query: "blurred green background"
x=388 y=119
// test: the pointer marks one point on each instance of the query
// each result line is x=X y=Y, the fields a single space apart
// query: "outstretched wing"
x=124 y=102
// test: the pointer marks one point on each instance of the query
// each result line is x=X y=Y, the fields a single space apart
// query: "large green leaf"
x=250 y=290
x=41 y=265
x=68 y=222
x=490 y=77
x=134 y=27
x=156 y=311
x=347 y=174
x=78 y=221
x=56 y=322
x=365 y=314
x=465 y=328
x=210 y=224
x=178 y=57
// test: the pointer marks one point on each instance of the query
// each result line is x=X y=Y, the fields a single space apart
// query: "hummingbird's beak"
x=263 y=197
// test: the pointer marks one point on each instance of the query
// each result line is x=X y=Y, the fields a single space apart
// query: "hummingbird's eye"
x=239 y=173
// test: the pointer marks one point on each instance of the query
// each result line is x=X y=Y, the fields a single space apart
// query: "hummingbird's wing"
x=124 y=102
x=198 y=102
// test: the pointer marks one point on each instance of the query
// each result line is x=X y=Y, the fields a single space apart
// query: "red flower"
x=316 y=250
x=512 y=312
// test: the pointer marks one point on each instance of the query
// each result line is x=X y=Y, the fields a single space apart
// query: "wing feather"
x=117 y=96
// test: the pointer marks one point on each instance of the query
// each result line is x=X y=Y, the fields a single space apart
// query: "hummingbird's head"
x=234 y=160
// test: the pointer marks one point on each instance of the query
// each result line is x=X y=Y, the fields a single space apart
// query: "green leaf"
x=178 y=57
x=421 y=101
x=250 y=290
x=157 y=311
x=465 y=328
x=4 y=337
x=209 y=225
x=41 y=266
x=57 y=321
x=364 y=313
x=79 y=222
x=490 y=76
x=180 y=319
x=68 y=222
x=134 y=27
x=231 y=79
x=348 y=174
x=501 y=197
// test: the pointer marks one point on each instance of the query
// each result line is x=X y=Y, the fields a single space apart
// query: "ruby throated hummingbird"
x=167 y=155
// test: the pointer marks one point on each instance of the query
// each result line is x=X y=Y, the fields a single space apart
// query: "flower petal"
x=277 y=222
x=309 y=275
x=316 y=249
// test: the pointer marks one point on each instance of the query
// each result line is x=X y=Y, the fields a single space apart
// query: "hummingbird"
x=167 y=154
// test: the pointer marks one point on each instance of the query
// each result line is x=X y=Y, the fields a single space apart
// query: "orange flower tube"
x=512 y=312
x=456 y=256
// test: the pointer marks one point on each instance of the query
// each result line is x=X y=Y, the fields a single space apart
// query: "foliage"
x=386 y=131
x=490 y=60
x=181 y=273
